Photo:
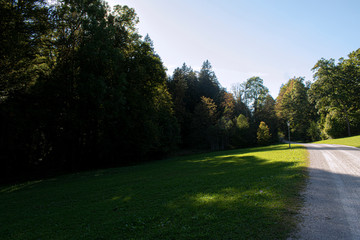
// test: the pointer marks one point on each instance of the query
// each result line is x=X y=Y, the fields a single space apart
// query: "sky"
x=273 y=39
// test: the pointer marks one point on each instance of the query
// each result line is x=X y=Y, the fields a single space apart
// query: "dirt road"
x=332 y=197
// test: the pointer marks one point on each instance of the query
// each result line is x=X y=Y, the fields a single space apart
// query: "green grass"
x=241 y=194
x=349 y=141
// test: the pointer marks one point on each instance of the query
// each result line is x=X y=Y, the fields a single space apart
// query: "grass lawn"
x=241 y=194
x=349 y=141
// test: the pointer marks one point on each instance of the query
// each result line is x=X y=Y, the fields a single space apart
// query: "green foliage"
x=204 y=123
x=337 y=89
x=96 y=93
x=208 y=83
x=263 y=134
x=243 y=194
x=314 y=131
x=242 y=122
x=23 y=35
x=254 y=101
x=241 y=134
x=293 y=105
x=228 y=105
x=254 y=93
x=335 y=126
x=266 y=112
x=220 y=130
x=203 y=109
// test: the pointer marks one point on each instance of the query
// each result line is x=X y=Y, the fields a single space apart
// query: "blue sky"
x=272 y=39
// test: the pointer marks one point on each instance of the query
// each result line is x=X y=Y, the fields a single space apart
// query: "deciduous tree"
x=293 y=105
x=263 y=134
x=336 y=88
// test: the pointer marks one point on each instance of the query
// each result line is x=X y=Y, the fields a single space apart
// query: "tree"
x=254 y=93
x=184 y=89
x=204 y=124
x=266 y=112
x=228 y=105
x=293 y=105
x=24 y=59
x=148 y=100
x=178 y=87
x=225 y=123
x=240 y=106
x=253 y=101
x=263 y=134
x=336 y=88
x=23 y=30
x=99 y=99
x=314 y=131
x=241 y=135
x=191 y=92
x=225 y=126
x=334 y=125
x=208 y=83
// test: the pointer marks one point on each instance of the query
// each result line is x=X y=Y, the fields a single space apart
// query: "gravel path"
x=332 y=197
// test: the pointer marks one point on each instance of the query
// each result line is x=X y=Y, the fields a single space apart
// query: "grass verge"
x=241 y=194
x=349 y=141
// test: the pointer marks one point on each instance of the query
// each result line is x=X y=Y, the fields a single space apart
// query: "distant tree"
x=204 y=125
x=266 y=112
x=253 y=101
x=293 y=105
x=208 y=83
x=242 y=123
x=191 y=93
x=254 y=93
x=226 y=131
x=242 y=135
x=240 y=106
x=228 y=105
x=263 y=134
x=178 y=87
x=184 y=90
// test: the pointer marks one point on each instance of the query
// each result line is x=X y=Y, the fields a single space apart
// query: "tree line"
x=81 y=89
x=209 y=117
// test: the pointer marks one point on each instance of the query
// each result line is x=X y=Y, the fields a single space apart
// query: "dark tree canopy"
x=84 y=89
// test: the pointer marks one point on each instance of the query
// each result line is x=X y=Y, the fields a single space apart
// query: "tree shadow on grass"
x=232 y=197
x=224 y=195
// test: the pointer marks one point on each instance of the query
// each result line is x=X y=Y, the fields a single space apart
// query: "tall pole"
x=288 y=124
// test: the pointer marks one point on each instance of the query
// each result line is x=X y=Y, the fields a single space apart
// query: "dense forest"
x=81 y=89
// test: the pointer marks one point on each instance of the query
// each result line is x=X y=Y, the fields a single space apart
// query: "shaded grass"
x=348 y=141
x=241 y=194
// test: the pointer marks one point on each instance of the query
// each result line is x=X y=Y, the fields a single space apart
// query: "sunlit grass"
x=241 y=194
x=349 y=141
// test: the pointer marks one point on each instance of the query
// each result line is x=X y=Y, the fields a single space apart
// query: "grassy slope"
x=241 y=194
x=349 y=141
